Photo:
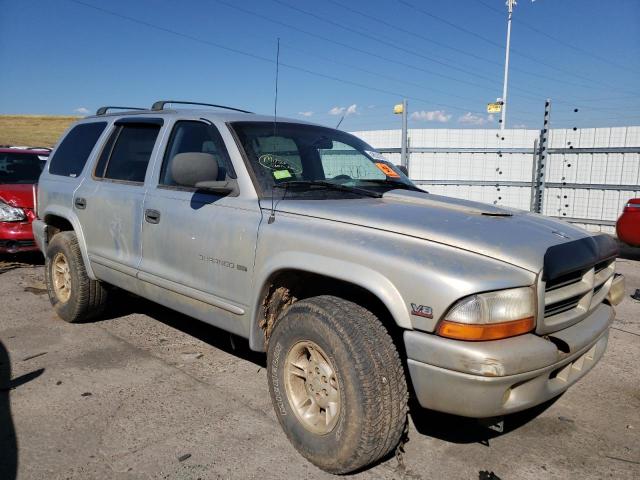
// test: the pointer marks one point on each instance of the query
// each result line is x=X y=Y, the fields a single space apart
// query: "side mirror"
x=200 y=170
x=403 y=169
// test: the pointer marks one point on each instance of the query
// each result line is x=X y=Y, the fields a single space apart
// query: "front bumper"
x=487 y=379
x=16 y=237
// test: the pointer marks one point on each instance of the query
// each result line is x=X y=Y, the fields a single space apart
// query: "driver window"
x=194 y=136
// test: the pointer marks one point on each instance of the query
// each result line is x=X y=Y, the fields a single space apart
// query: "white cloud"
x=435 y=116
x=305 y=114
x=519 y=125
x=472 y=119
x=82 y=110
x=346 y=111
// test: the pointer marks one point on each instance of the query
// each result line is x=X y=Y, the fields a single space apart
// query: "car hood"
x=514 y=236
x=17 y=195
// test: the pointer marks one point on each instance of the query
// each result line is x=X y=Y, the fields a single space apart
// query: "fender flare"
x=357 y=274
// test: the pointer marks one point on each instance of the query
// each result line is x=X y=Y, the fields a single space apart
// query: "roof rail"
x=159 y=105
x=103 y=110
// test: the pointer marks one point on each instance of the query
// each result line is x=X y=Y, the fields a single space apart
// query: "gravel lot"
x=149 y=393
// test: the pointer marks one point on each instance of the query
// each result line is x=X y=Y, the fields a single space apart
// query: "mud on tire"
x=351 y=343
x=74 y=296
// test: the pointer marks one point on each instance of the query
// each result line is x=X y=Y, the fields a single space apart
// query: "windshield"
x=20 y=167
x=317 y=155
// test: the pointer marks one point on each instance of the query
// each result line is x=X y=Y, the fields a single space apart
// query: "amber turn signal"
x=485 y=331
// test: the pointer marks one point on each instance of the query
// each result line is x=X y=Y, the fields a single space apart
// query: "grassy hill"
x=33 y=130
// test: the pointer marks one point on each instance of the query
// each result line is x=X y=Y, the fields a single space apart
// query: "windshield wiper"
x=394 y=185
x=309 y=184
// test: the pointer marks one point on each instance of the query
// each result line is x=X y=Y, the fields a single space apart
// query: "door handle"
x=80 y=203
x=152 y=216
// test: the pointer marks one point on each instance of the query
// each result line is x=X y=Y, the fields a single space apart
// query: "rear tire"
x=337 y=383
x=74 y=296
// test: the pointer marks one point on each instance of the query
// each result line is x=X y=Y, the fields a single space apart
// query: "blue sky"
x=352 y=57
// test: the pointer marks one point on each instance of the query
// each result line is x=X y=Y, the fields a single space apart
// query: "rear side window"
x=127 y=153
x=72 y=154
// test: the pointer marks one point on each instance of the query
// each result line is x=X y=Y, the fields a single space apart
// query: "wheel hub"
x=61 y=275
x=312 y=387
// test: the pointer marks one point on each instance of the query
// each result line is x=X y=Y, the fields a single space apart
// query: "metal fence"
x=584 y=176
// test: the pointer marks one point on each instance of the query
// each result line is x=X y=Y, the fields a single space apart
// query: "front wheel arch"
x=287 y=286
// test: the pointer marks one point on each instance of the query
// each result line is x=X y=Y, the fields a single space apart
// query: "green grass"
x=33 y=130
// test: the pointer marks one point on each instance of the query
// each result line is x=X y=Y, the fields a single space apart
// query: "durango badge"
x=421 y=311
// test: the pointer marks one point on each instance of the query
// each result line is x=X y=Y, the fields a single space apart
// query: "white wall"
x=589 y=168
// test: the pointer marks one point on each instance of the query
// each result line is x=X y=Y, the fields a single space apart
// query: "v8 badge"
x=421 y=311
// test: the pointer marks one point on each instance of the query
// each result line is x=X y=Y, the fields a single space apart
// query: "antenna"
x=275 y=100
x=272 y=217
x=338 y=125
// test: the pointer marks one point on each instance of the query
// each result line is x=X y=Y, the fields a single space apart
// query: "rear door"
x=109 y=203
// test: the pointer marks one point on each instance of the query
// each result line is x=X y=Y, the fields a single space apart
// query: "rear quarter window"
x=74 y=150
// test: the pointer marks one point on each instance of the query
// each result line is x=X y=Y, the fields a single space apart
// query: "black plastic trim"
x=578 y=255
x=139 y=121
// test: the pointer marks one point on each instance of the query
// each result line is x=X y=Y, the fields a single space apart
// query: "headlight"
x=490 y=316
x=11 y=214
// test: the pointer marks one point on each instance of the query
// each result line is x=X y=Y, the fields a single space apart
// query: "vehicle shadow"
x=20 y=260
x=8 y=439
x=8 y=442
x=463 y=430
x=124 y=303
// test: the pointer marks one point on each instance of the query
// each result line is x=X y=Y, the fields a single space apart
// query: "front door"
x=199 y=246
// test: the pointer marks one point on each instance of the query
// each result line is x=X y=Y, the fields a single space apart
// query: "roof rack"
x=159 y=105
x=103 y=110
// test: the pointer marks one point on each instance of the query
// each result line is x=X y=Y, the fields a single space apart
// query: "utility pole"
x=503 y=117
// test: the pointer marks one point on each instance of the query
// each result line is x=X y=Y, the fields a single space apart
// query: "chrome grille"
x=572 y=297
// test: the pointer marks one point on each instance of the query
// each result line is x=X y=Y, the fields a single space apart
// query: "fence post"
x=534 y=170
x=540 y=177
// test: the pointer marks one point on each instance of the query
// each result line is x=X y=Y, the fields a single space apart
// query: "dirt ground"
x=149 y=393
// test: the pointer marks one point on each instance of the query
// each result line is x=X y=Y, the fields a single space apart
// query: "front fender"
x=359 y=275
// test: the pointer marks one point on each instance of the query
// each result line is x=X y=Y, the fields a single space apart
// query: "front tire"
x=74 y=296
x=337 y=383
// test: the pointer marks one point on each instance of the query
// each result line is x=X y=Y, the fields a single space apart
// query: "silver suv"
x=361 y=287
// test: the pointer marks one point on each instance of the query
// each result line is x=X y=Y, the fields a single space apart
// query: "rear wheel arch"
x=64 y=221
x=56 y=224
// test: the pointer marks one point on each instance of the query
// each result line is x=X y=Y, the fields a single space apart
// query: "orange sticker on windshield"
x=387 y=170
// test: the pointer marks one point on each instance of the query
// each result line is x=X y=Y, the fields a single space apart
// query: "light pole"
x=503 y=116
x=401 y=108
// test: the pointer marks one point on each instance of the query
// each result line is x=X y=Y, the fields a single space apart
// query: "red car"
x=19 y=172
x=628 y=226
